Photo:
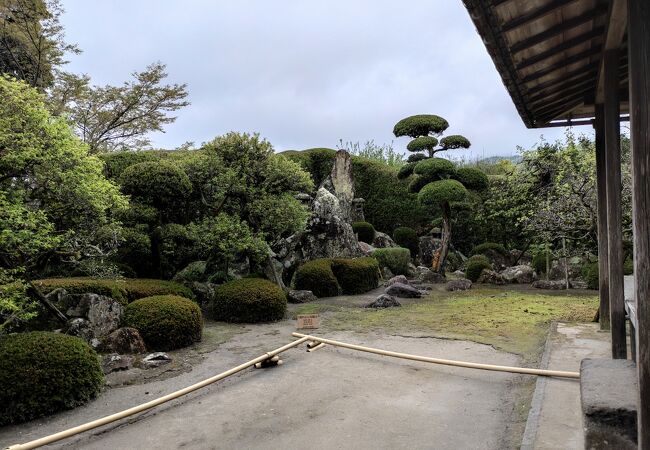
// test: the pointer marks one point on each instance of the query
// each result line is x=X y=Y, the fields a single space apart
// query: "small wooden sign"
x=310 y=321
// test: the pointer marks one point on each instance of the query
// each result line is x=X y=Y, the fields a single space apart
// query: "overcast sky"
x=306 y=73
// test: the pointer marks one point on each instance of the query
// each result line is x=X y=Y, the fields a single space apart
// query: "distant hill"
x=495 y=159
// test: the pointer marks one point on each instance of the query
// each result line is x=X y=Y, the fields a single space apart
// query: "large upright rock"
x=341 y=183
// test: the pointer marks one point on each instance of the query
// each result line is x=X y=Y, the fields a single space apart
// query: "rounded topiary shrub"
x=590 y=274
x=539 y=262
x=486 y=247
x=395 y=258
x=407 y=237
x=475 y=266
x=165 y=322
x=43 y=372
x=317 y=276
x=249 y=300
x=356 y=275
x=365 y=231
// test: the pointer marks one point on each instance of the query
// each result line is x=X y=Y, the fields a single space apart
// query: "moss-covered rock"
x=43 y=372
x=249 y=300
x=165 y=322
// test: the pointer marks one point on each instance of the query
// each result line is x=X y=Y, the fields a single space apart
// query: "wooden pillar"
x=614 y=227
x=639 y=76
x=601 y=188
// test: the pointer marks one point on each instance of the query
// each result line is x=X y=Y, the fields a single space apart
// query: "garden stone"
x=114 y=362
x=398 y=279
x=124 y=340
x=491 y=277
x=156 y=359
x=521 y=274
x=403 y=290
x=204 y=292
x=301 y=296
x=104 y=314
x=462 y=284
x=428 y=245
x=498 y=260
x=575 y=284
x=549 y=284
x=516 y=257
x=459 y=273
x=431 y=277
x=80 y=327
x=382 y=240
x=411 y=269
x=386 y=273
x=366 y=249
x=384 y=301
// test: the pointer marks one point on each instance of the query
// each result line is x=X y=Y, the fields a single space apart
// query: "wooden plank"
x=564 y=46
x=616 y=25
x=560 y=28
x=536 y=75
x=552 y=98
x=614 y=213
x=639 y=85
x=535 y=14
x=601 y=192
x=564 y=77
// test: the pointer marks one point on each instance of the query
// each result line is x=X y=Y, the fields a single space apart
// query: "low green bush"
x=165 y=322
x=453 y=262
x=356 y=275
x=539 y=262
x=249 y=300
x=407 y=237
x=590 y=275
x=475 y=266
x=628 y=267
x=43 y=372
x=365 y=231
x=485 y=247
x=317 y=276
x=124 y=290
x=395 y=258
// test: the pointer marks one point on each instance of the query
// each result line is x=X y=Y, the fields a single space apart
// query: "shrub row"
x=123 y=290
x=165 y=322
x=43 y=372
x=249 y=300
x=395 y=258
x=329 y=277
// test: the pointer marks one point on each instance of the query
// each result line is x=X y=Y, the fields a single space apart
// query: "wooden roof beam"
x=580 y=39
x=562 y=64
x=565 y=77
x=587 y=83
x=616 y=27
x=560 y=28
x=534 y=14
x=560 y=111
x=588 y=77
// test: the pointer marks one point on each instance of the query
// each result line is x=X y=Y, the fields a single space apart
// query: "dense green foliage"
x=364 y=231
x=317 y=276
x=124 y=290
x=454 y=141
x=165 y=322
x=539 y=262
x=483 y=248
x=356 y=275
x=475 y=266
x=422 y=143
x=42 y=373
x=420 y=125
x=194 y=271
x=249 y=300
x=395 y=258
x=434 y=168
x=472 y=178
x=436 y=193
x=407 y=237
x=590 y=273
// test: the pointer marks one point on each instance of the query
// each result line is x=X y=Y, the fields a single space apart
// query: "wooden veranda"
x=586 y=62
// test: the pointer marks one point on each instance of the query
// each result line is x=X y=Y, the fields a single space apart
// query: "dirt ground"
x=331 y=398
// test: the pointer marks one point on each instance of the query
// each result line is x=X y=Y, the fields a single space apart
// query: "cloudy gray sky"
x=305 y=73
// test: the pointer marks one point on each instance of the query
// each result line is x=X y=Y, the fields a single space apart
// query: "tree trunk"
x=440 y=256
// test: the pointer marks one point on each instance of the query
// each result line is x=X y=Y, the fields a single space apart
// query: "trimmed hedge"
x=165 y=322
x=317 y=276
x=407 y=237
x=395 y=258
x=43 y=372
x=590 y=273
x=249 y=300
x=475 y=266
x=365 y=231
x=539 y=262
x=123 y=290
x=356 y=275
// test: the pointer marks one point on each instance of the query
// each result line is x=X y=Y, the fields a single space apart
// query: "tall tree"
x=32 y=41
x=109 y=118
x=436 y=180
